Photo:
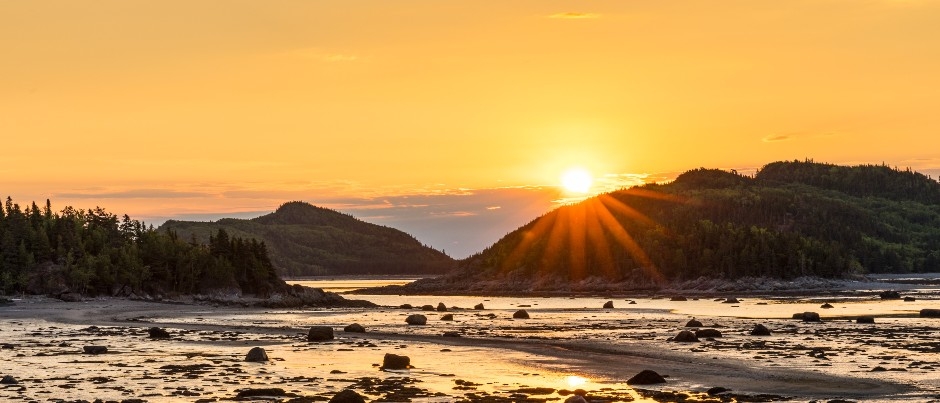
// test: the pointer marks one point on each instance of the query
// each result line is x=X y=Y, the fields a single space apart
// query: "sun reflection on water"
x=575 y=381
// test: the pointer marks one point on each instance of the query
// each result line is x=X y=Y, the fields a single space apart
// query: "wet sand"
x=562 y=349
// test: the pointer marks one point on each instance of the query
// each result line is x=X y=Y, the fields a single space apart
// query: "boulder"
x=8 y=380
x=441 y=307
x=890 y=294
x=520 y=314
x=678 y=298
x=256 y=354
x=731 y=300
x=95 y=349
x=760 y=330
x=427 y=307
x=478 y=307
x=320 y=333
x=406 y=306
x=354 y=328
x=416 y=320
x=810 y=317
x=930 y=313
x=826 y=306
x=865 y=319
x=693 y=323
x=158 y=333
x=449 y=316
x=685 y=336
x=707 y=333
x=347 y=396
x=609 y=305
x=394 y=361
x=646 y=377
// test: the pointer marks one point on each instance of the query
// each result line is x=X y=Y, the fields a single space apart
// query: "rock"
x=707 y=333
x=447 y=317
x=693 y=323
x=427 y=307
x=810 y=317
x=890 y=295
x=909 y=299
x=406 y=306
x=798 y=316
x=646 y=377
x=452 y=334
x=416 y=320
x=716 y=390
x=320 y=333
x=678 y=298
x=158 y=333
x=826 y=306
x=441 y=307
x=261 y=392
x=731 y=300
x=354 y=328
x=575 y=399
x=394 y=361
x=520 y=314
x=760 y=330
x=95 y=349
x=256 y=354
x=478 y=307
x=8 y=380
x=609 y=305
x=347 y=396
x=930 y=313
x=632 y=303
x=879 y=369
x=685 y=336
x=865 y=319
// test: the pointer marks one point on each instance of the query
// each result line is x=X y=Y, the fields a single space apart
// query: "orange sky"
x=163 y=108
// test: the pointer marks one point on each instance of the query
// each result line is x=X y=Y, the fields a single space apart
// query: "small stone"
x=826 y=306
x=646 y=377
x=256 y=354
x=678 y=298
x=406 y=306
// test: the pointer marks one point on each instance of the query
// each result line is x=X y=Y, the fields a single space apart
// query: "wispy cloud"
x=571 y=15
x=135 y=194
x=777 y=137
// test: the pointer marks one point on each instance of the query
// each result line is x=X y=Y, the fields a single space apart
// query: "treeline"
x=791 y=219
x=93 y=252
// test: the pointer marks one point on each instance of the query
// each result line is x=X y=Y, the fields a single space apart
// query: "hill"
x=791 y=219
x=304 y=240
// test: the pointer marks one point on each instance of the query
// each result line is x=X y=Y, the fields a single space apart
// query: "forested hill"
x=791 y=219
x=307 y=240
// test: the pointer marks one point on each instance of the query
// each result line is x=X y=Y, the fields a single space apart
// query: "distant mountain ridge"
x=791 y=219
x=303 y=240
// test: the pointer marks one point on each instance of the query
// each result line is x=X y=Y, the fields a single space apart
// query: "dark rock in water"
x=449 y=316
x=354 y=328
x=427 y=307
x=679 y=298
x=716 y=390
x=320 y=333
x=731 y=300
x=798 y=316
x=810 y=317
x=760 y=330
x=865 y=319
x=685 y=336
x=707 y=333
x=826 y=306
x=930 y=313
x=609 y=305
x=632 y=302
x=158 y=333
x=416 y=320
x=256 y=354
x=95 y=349
x=262 y=392
x=693 y=323
x=7 y=346
x=406 y=306
x=878 y=369
x=8 y=380
x=452 y=334
x=890 y=295
x=347 y=396
x=394 y=361
x=478 y=307
x=520 y=314
x=909 y=299
x=441 y=307
x=575 y=399
x=646 y=377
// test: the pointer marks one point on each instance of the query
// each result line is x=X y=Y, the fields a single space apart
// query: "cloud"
x=777 y=137
x=136 y=194
x=574 y=15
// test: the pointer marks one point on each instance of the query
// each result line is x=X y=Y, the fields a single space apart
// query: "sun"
x=577 y=180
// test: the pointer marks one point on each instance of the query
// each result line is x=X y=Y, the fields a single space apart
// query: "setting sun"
x=577 y=180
